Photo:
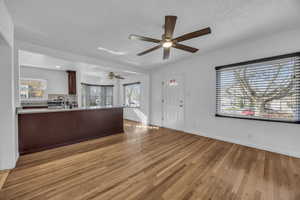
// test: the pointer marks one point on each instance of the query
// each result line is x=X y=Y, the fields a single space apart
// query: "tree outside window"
x=132 y=94
x=267 y=90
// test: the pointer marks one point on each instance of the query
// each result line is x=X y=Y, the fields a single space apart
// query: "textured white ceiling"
x=37 y=60
x=82 y=26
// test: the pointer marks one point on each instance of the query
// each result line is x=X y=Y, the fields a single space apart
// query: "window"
x=132 y=94
x=266 y=89
x=97 y=95
x=31 y=89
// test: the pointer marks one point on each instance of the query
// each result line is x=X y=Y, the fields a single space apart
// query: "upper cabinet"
x=72 y=82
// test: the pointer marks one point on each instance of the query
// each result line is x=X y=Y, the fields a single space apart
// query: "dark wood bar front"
x=45 y=130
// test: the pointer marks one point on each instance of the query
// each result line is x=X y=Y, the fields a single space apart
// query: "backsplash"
x=34 y=103
x=71 y=98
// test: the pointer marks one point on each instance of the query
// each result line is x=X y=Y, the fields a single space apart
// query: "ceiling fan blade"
x=170 y=22
x=147 y=39
x=185 y=48
x=149 y=50
x=119 y=77
x=166 y=53
x=193 y=34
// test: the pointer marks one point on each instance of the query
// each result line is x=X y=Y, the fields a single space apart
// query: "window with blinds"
x=265 y=89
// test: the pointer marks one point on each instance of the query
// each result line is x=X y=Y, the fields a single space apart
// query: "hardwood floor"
x=3 y=177
x=149 y=163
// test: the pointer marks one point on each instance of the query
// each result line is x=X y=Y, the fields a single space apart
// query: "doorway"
x=173 y=102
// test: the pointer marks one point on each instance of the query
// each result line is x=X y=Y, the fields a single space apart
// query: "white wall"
x=6 y=24
x=7 y=117
x=78 y=87
x=16 y=76
x=57 y=80
x=8 y=136
x=200 y=84
x=137 y=114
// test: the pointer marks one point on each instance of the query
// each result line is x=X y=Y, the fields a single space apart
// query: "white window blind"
x=266 y=89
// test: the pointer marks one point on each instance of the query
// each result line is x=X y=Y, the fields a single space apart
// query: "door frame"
x=163 y=81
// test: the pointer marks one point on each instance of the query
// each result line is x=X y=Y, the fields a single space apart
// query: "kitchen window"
x=97 y=95
x=265 y=89
x=132 y=94
x=32 y=89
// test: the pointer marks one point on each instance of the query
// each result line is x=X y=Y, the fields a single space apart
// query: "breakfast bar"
x=41 y=129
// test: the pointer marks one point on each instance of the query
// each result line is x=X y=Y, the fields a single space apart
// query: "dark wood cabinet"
x=41 y=131
x=72 y=82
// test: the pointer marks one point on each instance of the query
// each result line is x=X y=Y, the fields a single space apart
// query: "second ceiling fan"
x=168 y=41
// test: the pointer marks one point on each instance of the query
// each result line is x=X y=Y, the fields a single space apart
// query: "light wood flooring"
x=153 y=163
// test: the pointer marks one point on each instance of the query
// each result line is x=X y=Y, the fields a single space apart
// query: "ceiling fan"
x=168 y=41
x=112 y=75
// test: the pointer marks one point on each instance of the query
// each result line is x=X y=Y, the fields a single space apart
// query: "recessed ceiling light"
x=120 y=53
x=58 y=67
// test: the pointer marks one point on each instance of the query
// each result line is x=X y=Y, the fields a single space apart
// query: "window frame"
x=247 y=63
x=45 y=96
x=124 y=94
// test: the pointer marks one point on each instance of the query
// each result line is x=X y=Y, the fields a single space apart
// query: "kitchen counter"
x=48 y=110
x=41 y=129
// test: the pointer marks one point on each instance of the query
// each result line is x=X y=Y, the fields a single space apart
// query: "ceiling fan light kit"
x=167 y=44
x=112 y=75
x=168 y=41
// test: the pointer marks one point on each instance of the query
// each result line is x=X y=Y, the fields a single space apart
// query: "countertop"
x=48 y=110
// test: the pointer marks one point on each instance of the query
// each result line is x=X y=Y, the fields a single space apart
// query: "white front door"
x=173 y=102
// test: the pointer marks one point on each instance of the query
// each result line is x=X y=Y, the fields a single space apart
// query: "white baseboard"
x=136 y=120
x=275 y=149
x=280 y=150
x=10 y=164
